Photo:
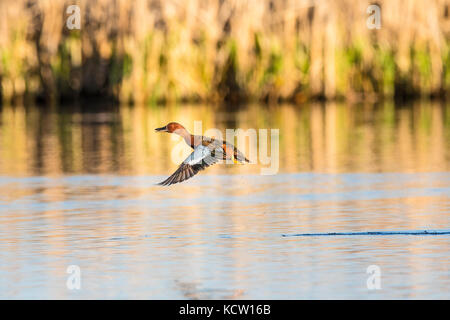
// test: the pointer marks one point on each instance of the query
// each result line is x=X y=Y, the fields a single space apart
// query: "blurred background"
x=364 y=122
x=157 y=51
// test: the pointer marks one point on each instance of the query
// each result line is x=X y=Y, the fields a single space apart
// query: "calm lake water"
x=78 y=188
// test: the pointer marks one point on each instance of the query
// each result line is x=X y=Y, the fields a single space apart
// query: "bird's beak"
x=163 y=129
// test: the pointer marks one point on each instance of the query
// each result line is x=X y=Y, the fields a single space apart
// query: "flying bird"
x=207 y=151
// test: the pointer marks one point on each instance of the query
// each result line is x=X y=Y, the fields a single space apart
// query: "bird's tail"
x=240 y=160
x=239 y=157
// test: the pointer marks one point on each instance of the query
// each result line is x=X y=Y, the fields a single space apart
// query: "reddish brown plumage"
x=217 y=149
x=173 y=126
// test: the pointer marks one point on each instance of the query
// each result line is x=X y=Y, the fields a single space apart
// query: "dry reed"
x=152 y=50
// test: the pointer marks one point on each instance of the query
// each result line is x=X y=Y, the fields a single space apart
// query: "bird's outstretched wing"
x=201 y=158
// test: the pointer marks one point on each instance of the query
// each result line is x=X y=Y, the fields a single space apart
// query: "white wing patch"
x=200 y=152
x=199 y=159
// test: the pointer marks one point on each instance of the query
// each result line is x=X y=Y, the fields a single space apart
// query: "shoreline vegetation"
x=153 y=52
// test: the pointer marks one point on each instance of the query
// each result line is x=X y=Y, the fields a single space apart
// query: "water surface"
x=78 y=188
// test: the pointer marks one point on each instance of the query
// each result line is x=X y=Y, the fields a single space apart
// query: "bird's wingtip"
x=162 y=183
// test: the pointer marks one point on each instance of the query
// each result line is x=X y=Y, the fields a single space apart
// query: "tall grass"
x=166 y=50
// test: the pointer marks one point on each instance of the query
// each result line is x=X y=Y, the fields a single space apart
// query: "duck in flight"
x=207 y=151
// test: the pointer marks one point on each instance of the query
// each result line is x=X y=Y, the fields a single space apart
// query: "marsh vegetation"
x=161 y=51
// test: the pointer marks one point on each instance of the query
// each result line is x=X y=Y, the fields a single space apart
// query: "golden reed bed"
x=154 y=51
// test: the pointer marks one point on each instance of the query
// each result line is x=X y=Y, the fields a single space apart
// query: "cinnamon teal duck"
x=207 y=151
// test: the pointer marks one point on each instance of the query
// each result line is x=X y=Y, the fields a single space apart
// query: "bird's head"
x=171 y=127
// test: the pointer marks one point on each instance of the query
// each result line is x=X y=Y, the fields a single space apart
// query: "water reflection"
x=331 y=138
x=79 y=188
